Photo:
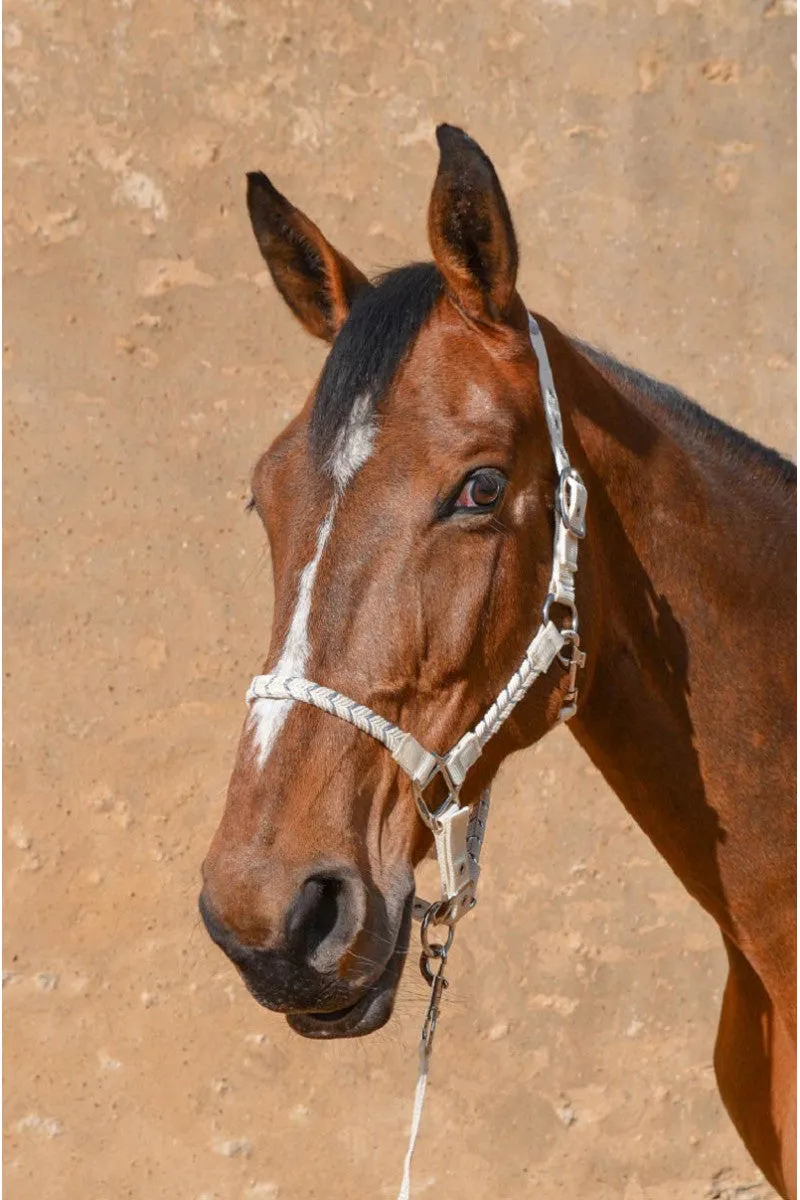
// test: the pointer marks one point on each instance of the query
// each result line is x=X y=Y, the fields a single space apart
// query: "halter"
x=458 y=830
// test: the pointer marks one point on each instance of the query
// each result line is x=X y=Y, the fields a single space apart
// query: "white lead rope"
x=416 y=1120
x=458 y=831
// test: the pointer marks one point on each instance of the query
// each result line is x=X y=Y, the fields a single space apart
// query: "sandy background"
x=647 y=152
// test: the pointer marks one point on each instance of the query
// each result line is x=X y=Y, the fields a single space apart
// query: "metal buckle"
x=570 y=636
x=576 y=660
x=450 y=909
x=572 y=514
x=572 y=665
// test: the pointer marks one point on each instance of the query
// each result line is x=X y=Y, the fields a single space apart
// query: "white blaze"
x=353 y=446
x=354 y=443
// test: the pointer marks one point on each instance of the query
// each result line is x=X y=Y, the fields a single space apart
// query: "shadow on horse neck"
x=693 y=548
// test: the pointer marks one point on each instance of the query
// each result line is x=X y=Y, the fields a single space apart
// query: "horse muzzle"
x=372 y=1009
x=323 y=986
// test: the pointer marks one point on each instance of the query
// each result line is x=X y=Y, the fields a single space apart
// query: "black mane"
x=384 y=323
x=380 y=329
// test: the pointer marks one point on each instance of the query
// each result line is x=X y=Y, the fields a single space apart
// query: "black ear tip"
x=455 y=144
x=257 y=181
x=264 y=200
x=263 y=190
x=450 y=136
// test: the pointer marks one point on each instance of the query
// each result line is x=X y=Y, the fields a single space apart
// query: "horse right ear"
x=470 y=229
x=317 y=282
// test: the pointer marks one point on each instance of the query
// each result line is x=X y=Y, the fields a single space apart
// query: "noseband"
x=458 y=831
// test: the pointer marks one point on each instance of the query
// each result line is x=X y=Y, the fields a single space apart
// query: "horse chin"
x=370 y=1011
x=365 y=1016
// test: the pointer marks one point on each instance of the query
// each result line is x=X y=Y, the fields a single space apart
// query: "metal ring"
x=570 y=636
x=428 y=815
x=435 y=949
x=571 y=629
x=427 y=972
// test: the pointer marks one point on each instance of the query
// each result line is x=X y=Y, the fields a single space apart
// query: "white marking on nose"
x=268 y=716
x=353 y=446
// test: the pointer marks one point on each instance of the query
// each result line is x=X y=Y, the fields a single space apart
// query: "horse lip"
x=372 y=1009
x=370 y=1012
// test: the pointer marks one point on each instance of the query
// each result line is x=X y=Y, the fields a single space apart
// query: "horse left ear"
x=317 y=282
x=470 y=229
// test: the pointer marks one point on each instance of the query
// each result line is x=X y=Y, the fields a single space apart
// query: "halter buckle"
x=571 y=497
x=574 y=663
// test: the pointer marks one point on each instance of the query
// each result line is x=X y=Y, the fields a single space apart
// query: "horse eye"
x=482 y=491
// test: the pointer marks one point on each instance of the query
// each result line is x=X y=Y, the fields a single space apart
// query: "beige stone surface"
x=647 y=151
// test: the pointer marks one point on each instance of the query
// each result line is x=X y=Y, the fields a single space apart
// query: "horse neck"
x=679 y=709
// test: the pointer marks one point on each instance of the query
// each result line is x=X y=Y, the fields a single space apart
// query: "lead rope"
x=437 y=952
x=422 y=1083
x=458 y=831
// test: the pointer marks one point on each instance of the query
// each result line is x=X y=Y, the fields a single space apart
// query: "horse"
x=410 y=509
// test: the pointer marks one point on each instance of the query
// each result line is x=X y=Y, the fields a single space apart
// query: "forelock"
x=381 y=328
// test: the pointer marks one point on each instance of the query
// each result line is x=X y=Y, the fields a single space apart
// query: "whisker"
x=257 y=568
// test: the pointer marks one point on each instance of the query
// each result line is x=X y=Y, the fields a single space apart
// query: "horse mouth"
x=371 y=1010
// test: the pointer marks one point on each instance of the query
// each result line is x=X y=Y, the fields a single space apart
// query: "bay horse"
x=410 y=511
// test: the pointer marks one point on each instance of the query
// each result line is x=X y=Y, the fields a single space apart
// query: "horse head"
x=409 y=511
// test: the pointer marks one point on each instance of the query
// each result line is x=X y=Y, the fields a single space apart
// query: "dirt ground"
x=647 y=152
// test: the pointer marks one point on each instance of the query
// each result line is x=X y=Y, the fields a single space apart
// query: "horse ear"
x=470 y=228
x=317 y=282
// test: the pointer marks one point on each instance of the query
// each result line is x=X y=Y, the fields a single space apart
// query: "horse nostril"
x=323 y=914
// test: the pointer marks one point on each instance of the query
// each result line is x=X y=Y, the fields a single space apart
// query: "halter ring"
x=430 y=816
x=571 y=630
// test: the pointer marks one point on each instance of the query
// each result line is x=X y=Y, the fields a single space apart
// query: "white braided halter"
x=458 y=831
